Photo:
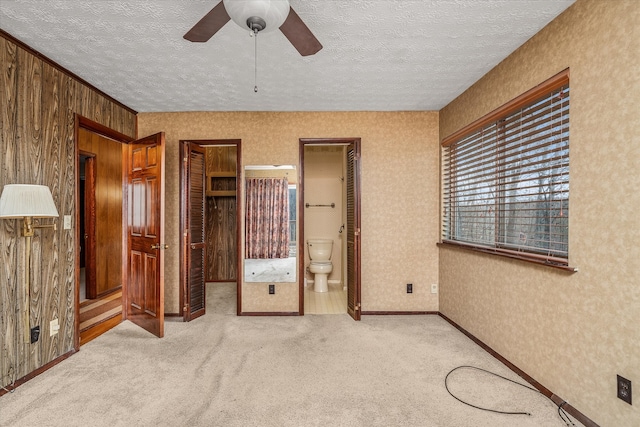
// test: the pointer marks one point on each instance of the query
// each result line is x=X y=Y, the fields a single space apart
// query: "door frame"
x=185 y=212
x=301 y=203
x=89 y=215
x=97 y=128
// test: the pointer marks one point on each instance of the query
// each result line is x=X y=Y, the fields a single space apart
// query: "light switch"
x=67 y=222
x=54 y=327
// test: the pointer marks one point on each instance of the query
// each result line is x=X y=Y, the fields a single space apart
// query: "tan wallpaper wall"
x=399 y=193
x=568 y=331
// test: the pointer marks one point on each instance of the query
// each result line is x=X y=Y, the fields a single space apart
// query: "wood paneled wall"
x=108 y=154
x=221 y=218
x=38 y=103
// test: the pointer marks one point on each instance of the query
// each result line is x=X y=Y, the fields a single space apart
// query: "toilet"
x=320 y=266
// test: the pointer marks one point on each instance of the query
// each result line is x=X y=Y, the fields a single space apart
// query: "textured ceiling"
x=378 y=55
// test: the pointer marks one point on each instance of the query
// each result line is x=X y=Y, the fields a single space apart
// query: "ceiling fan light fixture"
x=260 y=15
x=256 y=24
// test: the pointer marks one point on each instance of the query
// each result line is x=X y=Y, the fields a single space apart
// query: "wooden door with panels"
x=145 y=191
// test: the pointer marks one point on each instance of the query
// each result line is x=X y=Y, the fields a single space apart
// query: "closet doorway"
x=209 y=221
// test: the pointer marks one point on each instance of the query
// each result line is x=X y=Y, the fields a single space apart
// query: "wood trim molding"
x=542 y=389
x=110 y=291
x=33 y=374
x=239 y=226
x=94 y=331
x=558 y=80
x=397 y=313
x=269 y=313
x=206 y=142
x=63 y=70
x=102 y=130
x=520 y=256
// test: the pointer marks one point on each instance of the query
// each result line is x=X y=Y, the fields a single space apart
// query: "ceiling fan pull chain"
x=255 y=76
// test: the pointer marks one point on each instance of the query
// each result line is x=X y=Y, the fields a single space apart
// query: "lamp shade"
x=26 y=200
x=273 y=12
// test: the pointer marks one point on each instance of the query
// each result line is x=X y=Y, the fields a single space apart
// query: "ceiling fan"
x=258 y=16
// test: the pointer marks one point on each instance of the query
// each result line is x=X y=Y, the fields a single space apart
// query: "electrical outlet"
x=409 y=288
x=272 y=289
x=434 y=288
x=54 y=327
x=35 y=334
x=624 y=389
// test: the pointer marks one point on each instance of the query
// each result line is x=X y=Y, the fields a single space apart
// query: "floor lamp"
x=25 y=201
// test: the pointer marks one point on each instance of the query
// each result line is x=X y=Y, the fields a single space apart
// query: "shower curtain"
x=267 y=218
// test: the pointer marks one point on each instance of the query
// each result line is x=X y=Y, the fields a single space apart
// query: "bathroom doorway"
x=330 y=209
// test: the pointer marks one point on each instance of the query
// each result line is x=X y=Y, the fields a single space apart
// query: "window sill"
x=509 y=254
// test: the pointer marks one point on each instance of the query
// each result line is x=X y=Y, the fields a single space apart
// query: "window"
x=506 y=178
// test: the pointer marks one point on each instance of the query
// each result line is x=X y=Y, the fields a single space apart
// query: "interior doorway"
x=210 y=220
x=330 y=211
x=99 y=222
x=128 y=214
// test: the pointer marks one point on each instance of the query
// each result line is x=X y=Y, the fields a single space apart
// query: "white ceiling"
x=378 y=55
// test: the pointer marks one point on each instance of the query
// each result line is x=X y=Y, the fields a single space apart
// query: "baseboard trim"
x=109 y=292
x=396 y=313
x=269 y=313
x=542 y=389
x=35 y=373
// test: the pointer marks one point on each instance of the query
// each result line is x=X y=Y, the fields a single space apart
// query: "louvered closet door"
x=196 y=247
x=353 y=231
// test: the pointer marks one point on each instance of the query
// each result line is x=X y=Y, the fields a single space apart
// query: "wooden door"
x=193 y=251
x=145 y=197
x=353 y=230
x=89 y=225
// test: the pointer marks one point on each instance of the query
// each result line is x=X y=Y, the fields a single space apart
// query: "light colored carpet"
x=224 y=370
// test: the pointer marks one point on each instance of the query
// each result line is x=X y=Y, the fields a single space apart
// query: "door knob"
x=160 y=246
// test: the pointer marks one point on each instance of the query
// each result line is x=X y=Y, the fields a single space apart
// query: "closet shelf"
x=221 y=193
x=222 y=174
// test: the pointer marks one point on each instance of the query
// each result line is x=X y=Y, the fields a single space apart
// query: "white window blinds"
x=506 y=180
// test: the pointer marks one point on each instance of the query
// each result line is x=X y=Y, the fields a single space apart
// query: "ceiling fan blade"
x=300 y=35
x=209 y=24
